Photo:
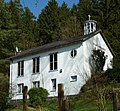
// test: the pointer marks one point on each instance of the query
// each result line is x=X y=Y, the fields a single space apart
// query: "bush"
x=37 y=96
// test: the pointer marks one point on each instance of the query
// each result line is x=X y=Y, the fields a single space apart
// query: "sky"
x=36 y=8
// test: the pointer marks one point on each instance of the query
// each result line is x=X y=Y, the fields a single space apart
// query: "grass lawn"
x=20 y=109
x=89 y=106
x=79 y=105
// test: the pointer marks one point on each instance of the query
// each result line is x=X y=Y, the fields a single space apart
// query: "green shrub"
x=37 y=96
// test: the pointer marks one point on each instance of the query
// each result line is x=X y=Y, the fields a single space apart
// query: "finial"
x=89 y=17
x=16 y=49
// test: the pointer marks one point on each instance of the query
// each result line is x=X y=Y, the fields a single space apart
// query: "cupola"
x=89 y=26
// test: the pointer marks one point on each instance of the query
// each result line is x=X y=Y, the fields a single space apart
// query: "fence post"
x=25 y=89
x=70 y=109
x=60 y=96
x=64 y=105
x=116 y=99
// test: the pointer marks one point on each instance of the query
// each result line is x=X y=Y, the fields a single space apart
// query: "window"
x=53 y=61
x=92 y=27
x=20 y=68
x=36 y=84
x=36 y=65
x=73 y=78
x=53 y=84
x=20 y=88
x=88 y=28
x=73 y=53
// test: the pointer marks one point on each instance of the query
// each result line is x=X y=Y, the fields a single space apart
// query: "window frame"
x=21 y=68
x=36 y=84
x=20 y=88
x=73 y=53
x=36 y=65
x=54 y=85
x=53 y=59
x=73 y=78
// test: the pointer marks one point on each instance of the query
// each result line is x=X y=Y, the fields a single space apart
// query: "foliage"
x=114 y=74
x=4 y=92
x=98 y=59
x=48 y=22
x=37 y=96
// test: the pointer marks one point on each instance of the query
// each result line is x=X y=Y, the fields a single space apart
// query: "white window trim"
x=20 y=68
x=20 y=88
x=72 y=79
x=53 y=83
x=53 y=62
x=36 y=84
x=36 y=65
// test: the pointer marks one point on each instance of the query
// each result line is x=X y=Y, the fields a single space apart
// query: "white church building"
x=65 y=61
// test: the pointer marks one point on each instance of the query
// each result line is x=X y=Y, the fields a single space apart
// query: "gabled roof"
x=59 y=44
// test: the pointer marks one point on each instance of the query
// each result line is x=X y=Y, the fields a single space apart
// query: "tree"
x=48 y=22
x=84 y=9
x=4 y=91
x=69 y=25
x=63 y=16
x=27 y=36
x=16 y=10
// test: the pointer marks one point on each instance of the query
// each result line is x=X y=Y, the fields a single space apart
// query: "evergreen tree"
x=48 y=22
x=64 y=15
x=84 y=9
x=27 y=37
x=16 y=11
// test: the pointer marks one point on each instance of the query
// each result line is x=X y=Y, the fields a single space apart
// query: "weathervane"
x=89 y=17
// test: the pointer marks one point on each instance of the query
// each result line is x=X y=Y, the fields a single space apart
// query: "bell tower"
x=89 y=26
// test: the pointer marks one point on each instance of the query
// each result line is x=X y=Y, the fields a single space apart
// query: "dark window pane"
x=18 y=68
x=75 y=53
x=33 y=65
x=51 y=66
x=91 y=26
x=51 y=58
x=22 y=72
x=22 y=68
x=51 y=62
x=37 y=70
x=55 y=57
x=55 y=65
x=54 y=84
x=55 y=61
x=72 y=53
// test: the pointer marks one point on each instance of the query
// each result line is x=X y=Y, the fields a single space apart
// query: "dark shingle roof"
x=58 y=44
